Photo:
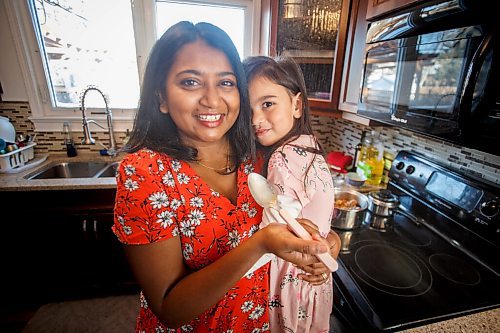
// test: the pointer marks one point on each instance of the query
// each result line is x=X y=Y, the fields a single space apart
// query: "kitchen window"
x=66 y=45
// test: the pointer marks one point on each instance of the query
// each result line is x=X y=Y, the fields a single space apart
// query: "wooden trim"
x=378 y=8
x=325 y=113
x=273 y=40
x=340 y=51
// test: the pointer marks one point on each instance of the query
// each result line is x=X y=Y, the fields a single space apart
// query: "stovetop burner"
x=454 y=269
x=403 y=274
x=438 y=265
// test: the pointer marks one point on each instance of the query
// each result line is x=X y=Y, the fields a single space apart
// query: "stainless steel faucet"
x=87 y=137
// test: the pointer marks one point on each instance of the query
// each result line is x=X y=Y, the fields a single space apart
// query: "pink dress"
x=295 y=305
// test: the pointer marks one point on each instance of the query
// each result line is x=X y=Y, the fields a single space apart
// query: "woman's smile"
x=211 y=120
x=202 y=94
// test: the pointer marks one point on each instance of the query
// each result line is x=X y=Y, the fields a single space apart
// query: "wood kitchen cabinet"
x=381 y=7
x=60 y=246
x=313 y=32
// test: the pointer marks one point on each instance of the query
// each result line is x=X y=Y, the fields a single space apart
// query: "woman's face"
x=201 y=94
x=273 y=110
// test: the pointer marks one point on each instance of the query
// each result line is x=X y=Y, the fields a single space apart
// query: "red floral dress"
x=159 y=198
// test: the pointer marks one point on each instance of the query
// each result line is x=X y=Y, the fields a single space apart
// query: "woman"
x=183 y=208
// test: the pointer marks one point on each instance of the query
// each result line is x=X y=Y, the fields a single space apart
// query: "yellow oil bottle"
x=371 y=158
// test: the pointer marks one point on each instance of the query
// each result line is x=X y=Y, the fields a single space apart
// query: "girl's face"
x=202 y=95
x=273 y=110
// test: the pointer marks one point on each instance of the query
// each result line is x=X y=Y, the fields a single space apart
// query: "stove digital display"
x=453 y=191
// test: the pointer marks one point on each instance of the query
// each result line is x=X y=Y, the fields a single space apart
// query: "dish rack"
x=17 y=158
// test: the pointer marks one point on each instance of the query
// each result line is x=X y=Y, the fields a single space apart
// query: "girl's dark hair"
x=156 y=130
x=285 y=72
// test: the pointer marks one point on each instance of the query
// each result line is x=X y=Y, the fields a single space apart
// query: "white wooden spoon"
x=265 y=195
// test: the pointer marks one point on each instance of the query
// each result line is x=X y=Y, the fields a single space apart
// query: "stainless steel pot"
x=380 y=223
x=382 y=203
x=345 y=240
x=349 y=219
x=382 y=206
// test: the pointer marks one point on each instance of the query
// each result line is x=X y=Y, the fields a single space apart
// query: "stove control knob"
x=410 y=169
x=400 y=166
x=490 y=208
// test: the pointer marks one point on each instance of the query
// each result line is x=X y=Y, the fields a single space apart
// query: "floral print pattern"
x=295 y=305
x=159 y=198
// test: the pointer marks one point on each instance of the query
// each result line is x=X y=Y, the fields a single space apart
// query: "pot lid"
x=384 y=198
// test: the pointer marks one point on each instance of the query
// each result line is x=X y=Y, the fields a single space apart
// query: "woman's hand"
x=281 y=241
x=317 y=273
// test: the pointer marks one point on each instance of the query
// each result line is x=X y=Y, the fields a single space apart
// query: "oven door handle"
x=473 y=73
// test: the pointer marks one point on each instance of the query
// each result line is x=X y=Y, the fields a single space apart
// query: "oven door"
x=417 y=82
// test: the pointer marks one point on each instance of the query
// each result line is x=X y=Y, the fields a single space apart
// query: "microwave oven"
x=434 y=69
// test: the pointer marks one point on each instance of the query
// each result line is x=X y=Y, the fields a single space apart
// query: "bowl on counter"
x=355 y=179
x=349 y=210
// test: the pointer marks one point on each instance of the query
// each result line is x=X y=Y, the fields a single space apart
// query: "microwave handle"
x=473 y=71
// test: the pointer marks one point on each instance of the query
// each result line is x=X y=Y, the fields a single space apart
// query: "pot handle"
x=410 y=216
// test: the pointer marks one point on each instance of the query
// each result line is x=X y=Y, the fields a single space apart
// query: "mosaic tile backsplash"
x=343 y=135
x=48 y=142
x=334 y=134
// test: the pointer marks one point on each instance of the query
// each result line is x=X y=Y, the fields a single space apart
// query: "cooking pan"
x=348 y=219
x=382 y=205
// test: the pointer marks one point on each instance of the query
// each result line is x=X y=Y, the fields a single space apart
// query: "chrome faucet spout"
x=87 y=137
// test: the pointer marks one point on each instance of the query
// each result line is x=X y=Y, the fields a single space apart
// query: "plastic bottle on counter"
x=371 y=158
x=357 y=151
x=68 y=140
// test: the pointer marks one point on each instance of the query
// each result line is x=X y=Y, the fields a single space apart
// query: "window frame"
x=47 y=118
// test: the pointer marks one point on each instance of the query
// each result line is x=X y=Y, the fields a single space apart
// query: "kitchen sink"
x=91 y=169
x=108 y=171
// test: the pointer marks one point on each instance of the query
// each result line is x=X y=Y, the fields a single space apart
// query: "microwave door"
x=408 y=73
x=379 y=81
x=435 y=70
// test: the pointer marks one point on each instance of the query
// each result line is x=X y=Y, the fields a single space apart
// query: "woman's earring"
x=163 y=108
x=163 y=105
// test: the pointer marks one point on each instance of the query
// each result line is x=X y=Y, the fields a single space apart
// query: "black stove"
x=436 y=260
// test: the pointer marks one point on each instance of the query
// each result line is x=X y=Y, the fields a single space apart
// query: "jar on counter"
x=371 y=158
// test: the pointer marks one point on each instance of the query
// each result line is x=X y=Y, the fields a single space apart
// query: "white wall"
x=10 y=70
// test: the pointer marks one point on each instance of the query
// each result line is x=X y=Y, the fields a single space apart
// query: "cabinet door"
x=382 y=7
x=59 y=245
x=354 y=58
x=108 y=266
x=313 y=32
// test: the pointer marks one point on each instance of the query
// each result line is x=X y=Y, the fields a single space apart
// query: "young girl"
x=294 y=164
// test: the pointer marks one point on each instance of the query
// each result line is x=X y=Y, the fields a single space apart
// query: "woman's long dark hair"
x=156 y=130
x=285 y=72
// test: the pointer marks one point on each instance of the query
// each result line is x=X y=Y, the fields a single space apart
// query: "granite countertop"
x=481 y=322
x=18 y=182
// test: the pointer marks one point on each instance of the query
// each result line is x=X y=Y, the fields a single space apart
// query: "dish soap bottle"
x=371 y=158
x=68 y=140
